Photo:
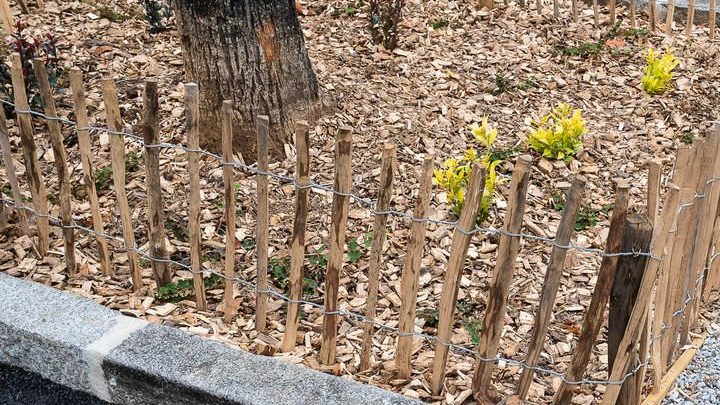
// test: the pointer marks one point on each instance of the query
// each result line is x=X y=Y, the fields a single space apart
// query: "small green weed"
x=184 y=289
x=686 y=137
x=248 y=243
x=474 y=327
x=110 y=14
x=586 y=218
x=439 y=24
x=132 y=164
x=102 y=178
x=430 y=315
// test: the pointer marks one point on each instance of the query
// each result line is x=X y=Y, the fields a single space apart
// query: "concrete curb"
x=79 y=344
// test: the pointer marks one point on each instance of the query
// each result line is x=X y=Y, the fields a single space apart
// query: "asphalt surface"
x=19 y=387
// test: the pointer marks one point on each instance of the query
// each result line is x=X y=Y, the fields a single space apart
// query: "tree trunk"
x=253 y=53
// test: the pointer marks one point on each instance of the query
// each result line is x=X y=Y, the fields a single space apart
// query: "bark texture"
x=253 y=53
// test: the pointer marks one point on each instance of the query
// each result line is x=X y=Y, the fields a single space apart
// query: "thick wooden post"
x=11 y=175
x=86 y=160
x=502 y=278
x=379 y=232
x=652 y=11
x=150 y=128
x=595 y=313
x=552 y=282
x=192 y=114
x=458 y=251
x=263 y=222
x=341 y=202
x=229 y=189
x=711 y=17
x=690 y=17
x=623 y=296
x=611 y=5
x=633 y=10
x=56 y=140
x=669 y=17
x=117 y=150
x=32 y=165
x=297 y=243
x=410 y=278
x=637 y=317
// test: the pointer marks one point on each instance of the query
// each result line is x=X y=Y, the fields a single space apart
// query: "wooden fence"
x=654 y=268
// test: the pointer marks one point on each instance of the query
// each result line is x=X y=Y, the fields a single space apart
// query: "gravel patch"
x=700 y=382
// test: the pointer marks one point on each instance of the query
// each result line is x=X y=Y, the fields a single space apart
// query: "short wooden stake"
x=507 y=252
x=574 y=11
x=611 y=5
x=297 y=244
x=6 y=20
x=32 y=165
x=458 y=251
x=11 y=175
x=230 y=307
x=639 y=312
x=633 y=11
x=379 y=232
x=341 y=202
x=192 y=113
x=117 y=150
x=556 y=8
x=669 y=17
x=410 y=279
x=690 y=17
x=652 y=11
x=553 y=274
x=56 y=140
x=594 y=315
x=596 y=13
x=711 y=19
x=653 y=196
x=86 y=160
x=623 y=296
x=263 y=222
x=150 y=129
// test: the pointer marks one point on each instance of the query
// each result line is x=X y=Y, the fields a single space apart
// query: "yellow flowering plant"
x=659 y=71
x=455 y=172
x=558 y=135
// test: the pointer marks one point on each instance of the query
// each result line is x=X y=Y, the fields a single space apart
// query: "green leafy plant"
x=455 y=172
x=319 y=258
x=439 y=24
x=280 y=270
x=248 y=243
x=431 y=317
x=586 y=218
x=474 y=327
x=659 y=71
x=686 y=137
x=350 y=10
x=357 y=251
x=177 y=291
x=105 y=11
x=132 y=163
x=157 y=15
x=102 y=178
x=558 y=135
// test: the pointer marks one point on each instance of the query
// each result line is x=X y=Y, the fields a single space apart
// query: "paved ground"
x=700 y=382
x=19 y=387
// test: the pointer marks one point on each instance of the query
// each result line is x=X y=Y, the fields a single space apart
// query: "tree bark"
x=253 y=53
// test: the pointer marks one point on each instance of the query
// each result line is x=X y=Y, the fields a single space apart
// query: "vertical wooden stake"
x=32 y=165
x=611 y=5
x=56 y=140
x=86 y=160
x=690 y=17
x=538 y=6
x=150 y=129
x=637 y=317
x=669 y=17
x=675 y=279
x=117 y=150
x=623 y=295
x=192 y=113
x=633 y=11
x=552 y=282
x=410 y=279
x=556 y=8
x=653 y=197
x=263 y=133
x=458 y=251
x=502 y=278
x=6 y=18
x=652 y=11
x=594 y=316
x=711 y=19
x=342 y=184
x=596 y=13
x=229 y=183
x=10 y=170
x=297 y=244
x=574 y=11
x=23 y=6
x=379 y=232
